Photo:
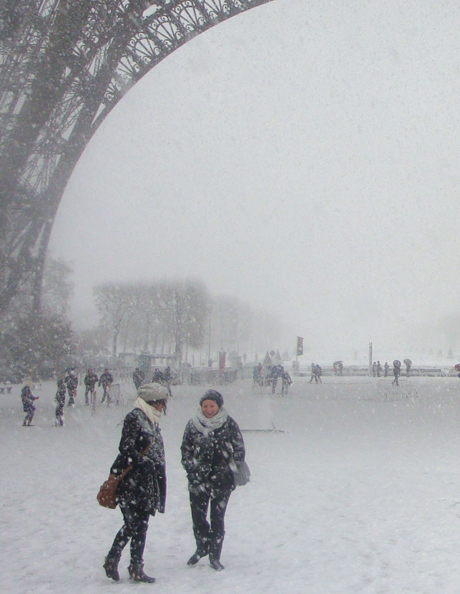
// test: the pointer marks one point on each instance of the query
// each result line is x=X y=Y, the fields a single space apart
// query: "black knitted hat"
x=213 y=395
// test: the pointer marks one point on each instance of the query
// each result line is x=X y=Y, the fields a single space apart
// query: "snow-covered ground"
x=361 y=493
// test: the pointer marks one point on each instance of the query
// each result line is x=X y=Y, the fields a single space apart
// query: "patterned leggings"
x=136 y=523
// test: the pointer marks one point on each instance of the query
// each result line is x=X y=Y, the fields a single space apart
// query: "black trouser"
x=106 y=392
x=60 y=413
x=136 y=523
x=209 y=537
x=30 y=410
x=89 y=390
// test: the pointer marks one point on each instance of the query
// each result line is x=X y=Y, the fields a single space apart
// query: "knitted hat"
x=149 y=392
x=213 y=395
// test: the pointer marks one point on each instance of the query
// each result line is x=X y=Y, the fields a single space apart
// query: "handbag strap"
x=128 y=468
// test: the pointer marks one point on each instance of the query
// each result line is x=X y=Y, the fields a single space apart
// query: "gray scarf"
x=205 y=425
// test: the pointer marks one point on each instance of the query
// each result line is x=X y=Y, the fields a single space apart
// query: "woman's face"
x=158 y=405
x=209 y=408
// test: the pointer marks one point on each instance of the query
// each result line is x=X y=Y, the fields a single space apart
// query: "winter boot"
x=136 y=573
x=215 y=563
x=214 y=553
x=111 y=568
x=197 y=555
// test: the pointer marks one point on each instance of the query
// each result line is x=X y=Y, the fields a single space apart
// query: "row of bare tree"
x=166 y=317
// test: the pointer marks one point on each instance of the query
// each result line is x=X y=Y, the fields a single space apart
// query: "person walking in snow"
x=28 y=405
x=396 y=371
x=142 y=492
x=105 y=381
x=71 y=381
x=318 y=374
x=60 y=403
x=286 y=381
x=386 y=369
x=408 y=364
x=313 y=374
x=275 y=374
x=138 y=377
x=90 y=383
x=212 y=451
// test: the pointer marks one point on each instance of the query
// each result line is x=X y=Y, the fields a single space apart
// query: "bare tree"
x=184 y=308
x=114 y=302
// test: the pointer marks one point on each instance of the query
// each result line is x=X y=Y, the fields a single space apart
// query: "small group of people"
x=90 y=381
x=163 y=377
x=277 y=372
x=316 y=373
x=28 y=400
x=212 y=453
x=65 y=386
x=376 y=369
x=269 y=376
x=337 y=367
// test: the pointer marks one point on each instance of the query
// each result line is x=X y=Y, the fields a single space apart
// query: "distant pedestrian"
x=157 y=376
x=71 y=381
x=138 y=378
x=316 y=373
x=374 y=369
x=275 y=374
x=90 y=380
x=313 y=375
x=60 y=403
x=105 y=381
x=408 y=364
x=168 y=377
x=386 y=369
x=286 y=381
x=396 y=371
x=379 y=369
x=28 y=405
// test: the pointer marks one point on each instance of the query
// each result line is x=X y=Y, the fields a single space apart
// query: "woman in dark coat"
x=142 y=491
x=212 y=451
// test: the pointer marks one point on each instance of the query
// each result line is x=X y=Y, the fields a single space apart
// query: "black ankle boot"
x=136 y=573
x=111 y=568
x=197 y=555
x=215 y=563
x=215 y=550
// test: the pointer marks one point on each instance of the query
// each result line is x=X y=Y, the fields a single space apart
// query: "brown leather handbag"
x=107 y=495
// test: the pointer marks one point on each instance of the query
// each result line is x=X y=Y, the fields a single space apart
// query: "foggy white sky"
x=303 y=157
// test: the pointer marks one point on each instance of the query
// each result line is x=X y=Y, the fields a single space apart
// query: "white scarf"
x=152 y=413
x=205 y=425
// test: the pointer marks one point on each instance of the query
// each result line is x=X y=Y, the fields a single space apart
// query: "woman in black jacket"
x=142 y=491
x=212 y=451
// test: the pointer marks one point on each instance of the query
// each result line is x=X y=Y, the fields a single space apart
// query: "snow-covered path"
x=360 y=494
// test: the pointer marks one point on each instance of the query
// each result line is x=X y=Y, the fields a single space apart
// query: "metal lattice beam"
x=64 y=65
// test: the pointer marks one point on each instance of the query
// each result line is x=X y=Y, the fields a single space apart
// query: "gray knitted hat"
x=149 y=392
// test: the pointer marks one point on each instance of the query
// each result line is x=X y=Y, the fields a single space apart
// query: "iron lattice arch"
x=64 y=65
